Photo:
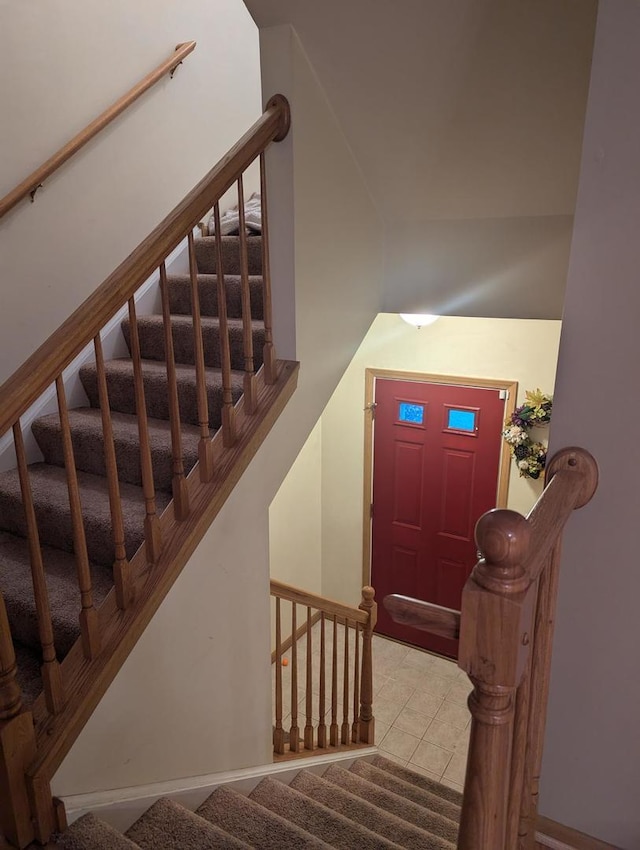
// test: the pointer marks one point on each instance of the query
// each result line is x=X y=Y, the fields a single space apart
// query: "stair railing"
x=506 y=634
x=31 y=184
x=72 y=687
x=328 y=709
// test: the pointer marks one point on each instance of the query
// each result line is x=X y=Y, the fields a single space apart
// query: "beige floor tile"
x=431 y=757
x=412 y=722
x=386 y=711
x=380 y=731
x=459 y=691
x=399 y=743
x=445 y=668
x=445 y=735
x=424 y=703
x=455 y=785
x=418 y=658
x=456 y=769
x=456 y=715
x=437 y=685
x=379 y=681
x=396 y=691
x=398 y=760
x=423 y=771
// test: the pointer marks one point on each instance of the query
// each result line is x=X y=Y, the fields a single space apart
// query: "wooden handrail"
x=19 y=391
x=34 y=181
x=320 y=603
x=423 y=615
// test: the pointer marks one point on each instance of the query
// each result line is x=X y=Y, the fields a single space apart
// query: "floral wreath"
x=530 y=456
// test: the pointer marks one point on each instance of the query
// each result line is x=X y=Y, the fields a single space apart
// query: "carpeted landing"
x=374 y=805
x=48 y=479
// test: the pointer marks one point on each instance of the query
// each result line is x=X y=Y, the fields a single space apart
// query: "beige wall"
x=591 y=770
x=62 y=63
x=521 y=350
x=194 y=695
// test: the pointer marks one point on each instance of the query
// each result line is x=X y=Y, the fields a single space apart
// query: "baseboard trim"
x=556 y=836
x=120 y=807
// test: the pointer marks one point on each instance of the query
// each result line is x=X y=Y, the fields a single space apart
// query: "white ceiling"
x=461 y=114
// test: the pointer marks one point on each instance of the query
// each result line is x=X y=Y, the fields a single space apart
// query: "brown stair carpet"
x=418 y=779
x=48 y=479
x=90 y=833
x=254 y=824
x=311 y=812
x=333 y=828
x=392 y=783
x=409 y=811
x=386 y=822
x=169 y=826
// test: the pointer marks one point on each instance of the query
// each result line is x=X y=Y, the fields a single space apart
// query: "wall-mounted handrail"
x=32 y=183
x=30 y=380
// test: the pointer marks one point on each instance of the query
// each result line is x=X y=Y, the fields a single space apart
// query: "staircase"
x=374 y=805
x=48 y=479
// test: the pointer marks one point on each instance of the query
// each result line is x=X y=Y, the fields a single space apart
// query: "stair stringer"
x=85 y=681
x=121 y=807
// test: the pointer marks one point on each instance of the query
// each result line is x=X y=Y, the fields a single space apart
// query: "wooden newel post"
x=17 y=745
x=494 y=644
x=367 y=721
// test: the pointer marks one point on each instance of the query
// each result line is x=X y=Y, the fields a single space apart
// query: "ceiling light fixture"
x=419 y=320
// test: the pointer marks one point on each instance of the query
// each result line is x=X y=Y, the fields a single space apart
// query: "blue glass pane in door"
x=413 y=413
x=461 y=420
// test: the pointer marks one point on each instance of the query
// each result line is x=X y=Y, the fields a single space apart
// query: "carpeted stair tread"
x=230 y=245
x=169 y=826
x=62 y=587
x=88 y=446
x=151 y=335
x=90 y=833
x=418 y=779
x=119 y=375
x=386 y=823
x=28 y=672
x=180 y=295
x=330 y=826
x=408 y=790
x=255 y=825
x=51 y=503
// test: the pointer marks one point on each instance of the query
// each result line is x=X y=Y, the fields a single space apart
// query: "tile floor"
x=419 y=703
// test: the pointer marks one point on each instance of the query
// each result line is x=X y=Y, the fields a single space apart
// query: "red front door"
x=436 y=457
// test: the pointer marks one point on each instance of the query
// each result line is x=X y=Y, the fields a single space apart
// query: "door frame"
x=502 y=491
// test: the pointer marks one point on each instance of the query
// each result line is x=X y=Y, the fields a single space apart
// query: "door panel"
x=436 y=457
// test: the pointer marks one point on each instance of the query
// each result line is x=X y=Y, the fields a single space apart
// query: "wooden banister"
x=34 y=181
x=423 y=615
x=28 y=382
x=320 y=603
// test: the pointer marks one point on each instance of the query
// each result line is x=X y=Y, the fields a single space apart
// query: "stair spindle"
x=228 y=411
x=89 y=625
x=269 y=356
x=355 y=728
x=121 y=570
x=50 y=670
x=250 y=384
x=278 y=732
x=333 y=728
x=294 y=732
x=367 y=721
x=178 y=480
x=322 y=708
x=152 y=534
x=205 y=446
x=346 y=729
x=308 y=729
x=17 y=745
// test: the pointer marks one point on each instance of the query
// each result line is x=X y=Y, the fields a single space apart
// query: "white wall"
x=524 y=351
x=207 y=708
x=591 y=771
x=62 y=63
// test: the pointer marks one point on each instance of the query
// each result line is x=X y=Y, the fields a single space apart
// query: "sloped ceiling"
x=457 y=111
